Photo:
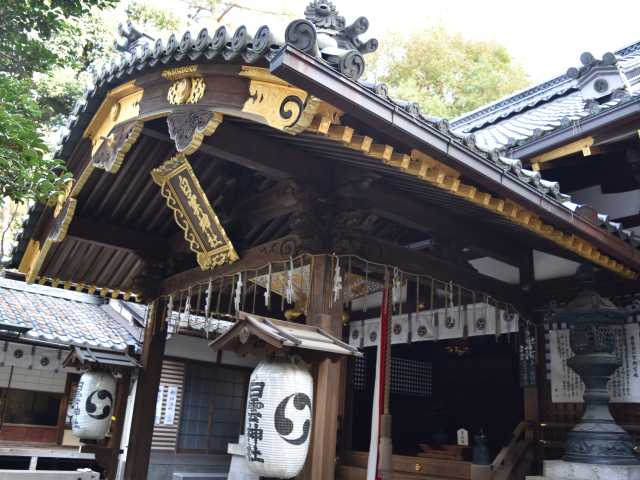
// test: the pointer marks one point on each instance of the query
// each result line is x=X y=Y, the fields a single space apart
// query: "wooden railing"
x=512 y=462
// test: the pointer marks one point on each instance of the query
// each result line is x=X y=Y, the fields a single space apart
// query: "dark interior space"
x=474 y=385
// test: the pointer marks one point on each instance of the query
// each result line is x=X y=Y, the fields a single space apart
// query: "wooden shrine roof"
x=350 y=145
x=280 y=335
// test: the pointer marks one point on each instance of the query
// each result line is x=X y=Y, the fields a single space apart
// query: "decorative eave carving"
x=122 y=104
x=110 y=154
x=277 y=103
x=193 y=213
x=188 y=127
x=36 y=252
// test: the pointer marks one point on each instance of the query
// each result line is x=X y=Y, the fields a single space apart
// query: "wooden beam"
x=401 y=209
x=583 y=145
x=115 y=236
x=255 y=257
x=143 y=416
x=413 y=261
x=250 y=149
x=272 y=203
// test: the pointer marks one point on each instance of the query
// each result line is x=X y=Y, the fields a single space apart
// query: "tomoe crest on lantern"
x=279 y=418
x=93 y=405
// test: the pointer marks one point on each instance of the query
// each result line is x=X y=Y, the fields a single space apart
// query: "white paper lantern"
x=279 y=417
x=93 y=405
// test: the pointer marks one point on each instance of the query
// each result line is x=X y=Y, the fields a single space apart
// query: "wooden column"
x=328 y=315
x=119 y=409
x=155 y=336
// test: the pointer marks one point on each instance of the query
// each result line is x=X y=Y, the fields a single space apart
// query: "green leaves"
x=28 y=34
x=27 y=171
x=445 y=73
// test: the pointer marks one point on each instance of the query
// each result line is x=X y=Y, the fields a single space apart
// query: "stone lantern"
x=592 y=320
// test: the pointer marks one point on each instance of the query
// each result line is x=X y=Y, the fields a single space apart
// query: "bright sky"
x=545 y=36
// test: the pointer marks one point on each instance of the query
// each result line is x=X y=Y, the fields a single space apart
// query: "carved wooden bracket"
x=110 y=154
x=193 y=213
x=36 y=252
x=188 y=128
x=277 y=103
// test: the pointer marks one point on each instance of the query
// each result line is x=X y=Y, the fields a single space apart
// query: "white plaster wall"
x=546 y=266
x=194 y=348
x=32 y=379
x=496 y=269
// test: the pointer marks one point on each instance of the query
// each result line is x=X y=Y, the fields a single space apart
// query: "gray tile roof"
x=531 y=113
x=564 y=111
x=62 y=316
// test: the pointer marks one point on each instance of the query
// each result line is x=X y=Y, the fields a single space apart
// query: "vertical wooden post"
x=327 y=314
x=531 y=393
x=139 y=450
x=119 y=410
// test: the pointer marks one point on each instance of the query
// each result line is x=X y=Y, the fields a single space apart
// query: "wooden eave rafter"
x=194 y=111
x=515 y=201
x=583 y=145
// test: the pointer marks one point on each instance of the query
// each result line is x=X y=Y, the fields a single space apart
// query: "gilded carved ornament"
x=188 y=127
x=277 y=103
x=36 y=253
x=193 y=213
x=111 y=131
x=187 y=86
x=186 y=90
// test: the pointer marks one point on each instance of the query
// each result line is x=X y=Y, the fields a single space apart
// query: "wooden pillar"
x=326 y=314
x=119 y=409
x=155 y=336
x=531 y=393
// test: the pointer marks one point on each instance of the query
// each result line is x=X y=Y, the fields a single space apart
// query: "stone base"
x=239 y=469
x=561 y=470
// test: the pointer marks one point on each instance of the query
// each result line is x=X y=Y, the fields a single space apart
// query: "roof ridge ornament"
x=325 y=34
x=132 y=38
x=598 y=79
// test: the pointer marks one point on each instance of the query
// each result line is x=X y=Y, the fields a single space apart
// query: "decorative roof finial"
x=325 y=34
x=598 y=79
x=132 y=37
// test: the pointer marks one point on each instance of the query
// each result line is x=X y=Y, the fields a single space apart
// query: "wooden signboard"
x=193 y=213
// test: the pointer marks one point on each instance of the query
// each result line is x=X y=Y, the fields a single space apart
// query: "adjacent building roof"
x=560 y=102
x=64 y=317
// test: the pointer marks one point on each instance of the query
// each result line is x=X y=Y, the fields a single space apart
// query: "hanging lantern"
x=279 y=416
x=93 y=405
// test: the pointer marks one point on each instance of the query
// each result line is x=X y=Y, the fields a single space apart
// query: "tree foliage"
x=445 y=73
x=28 y=26
x=27 y=33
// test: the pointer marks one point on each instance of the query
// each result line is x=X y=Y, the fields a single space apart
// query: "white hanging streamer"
x=170 y=322
x=289 y=291
x=187 y=309
x=267 y=292
x=337 y=281
x=396 y=291
x=207 y=302
x=238 y=293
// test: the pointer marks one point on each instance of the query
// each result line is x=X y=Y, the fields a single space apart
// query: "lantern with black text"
x=279 y=417
x=93 y=405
